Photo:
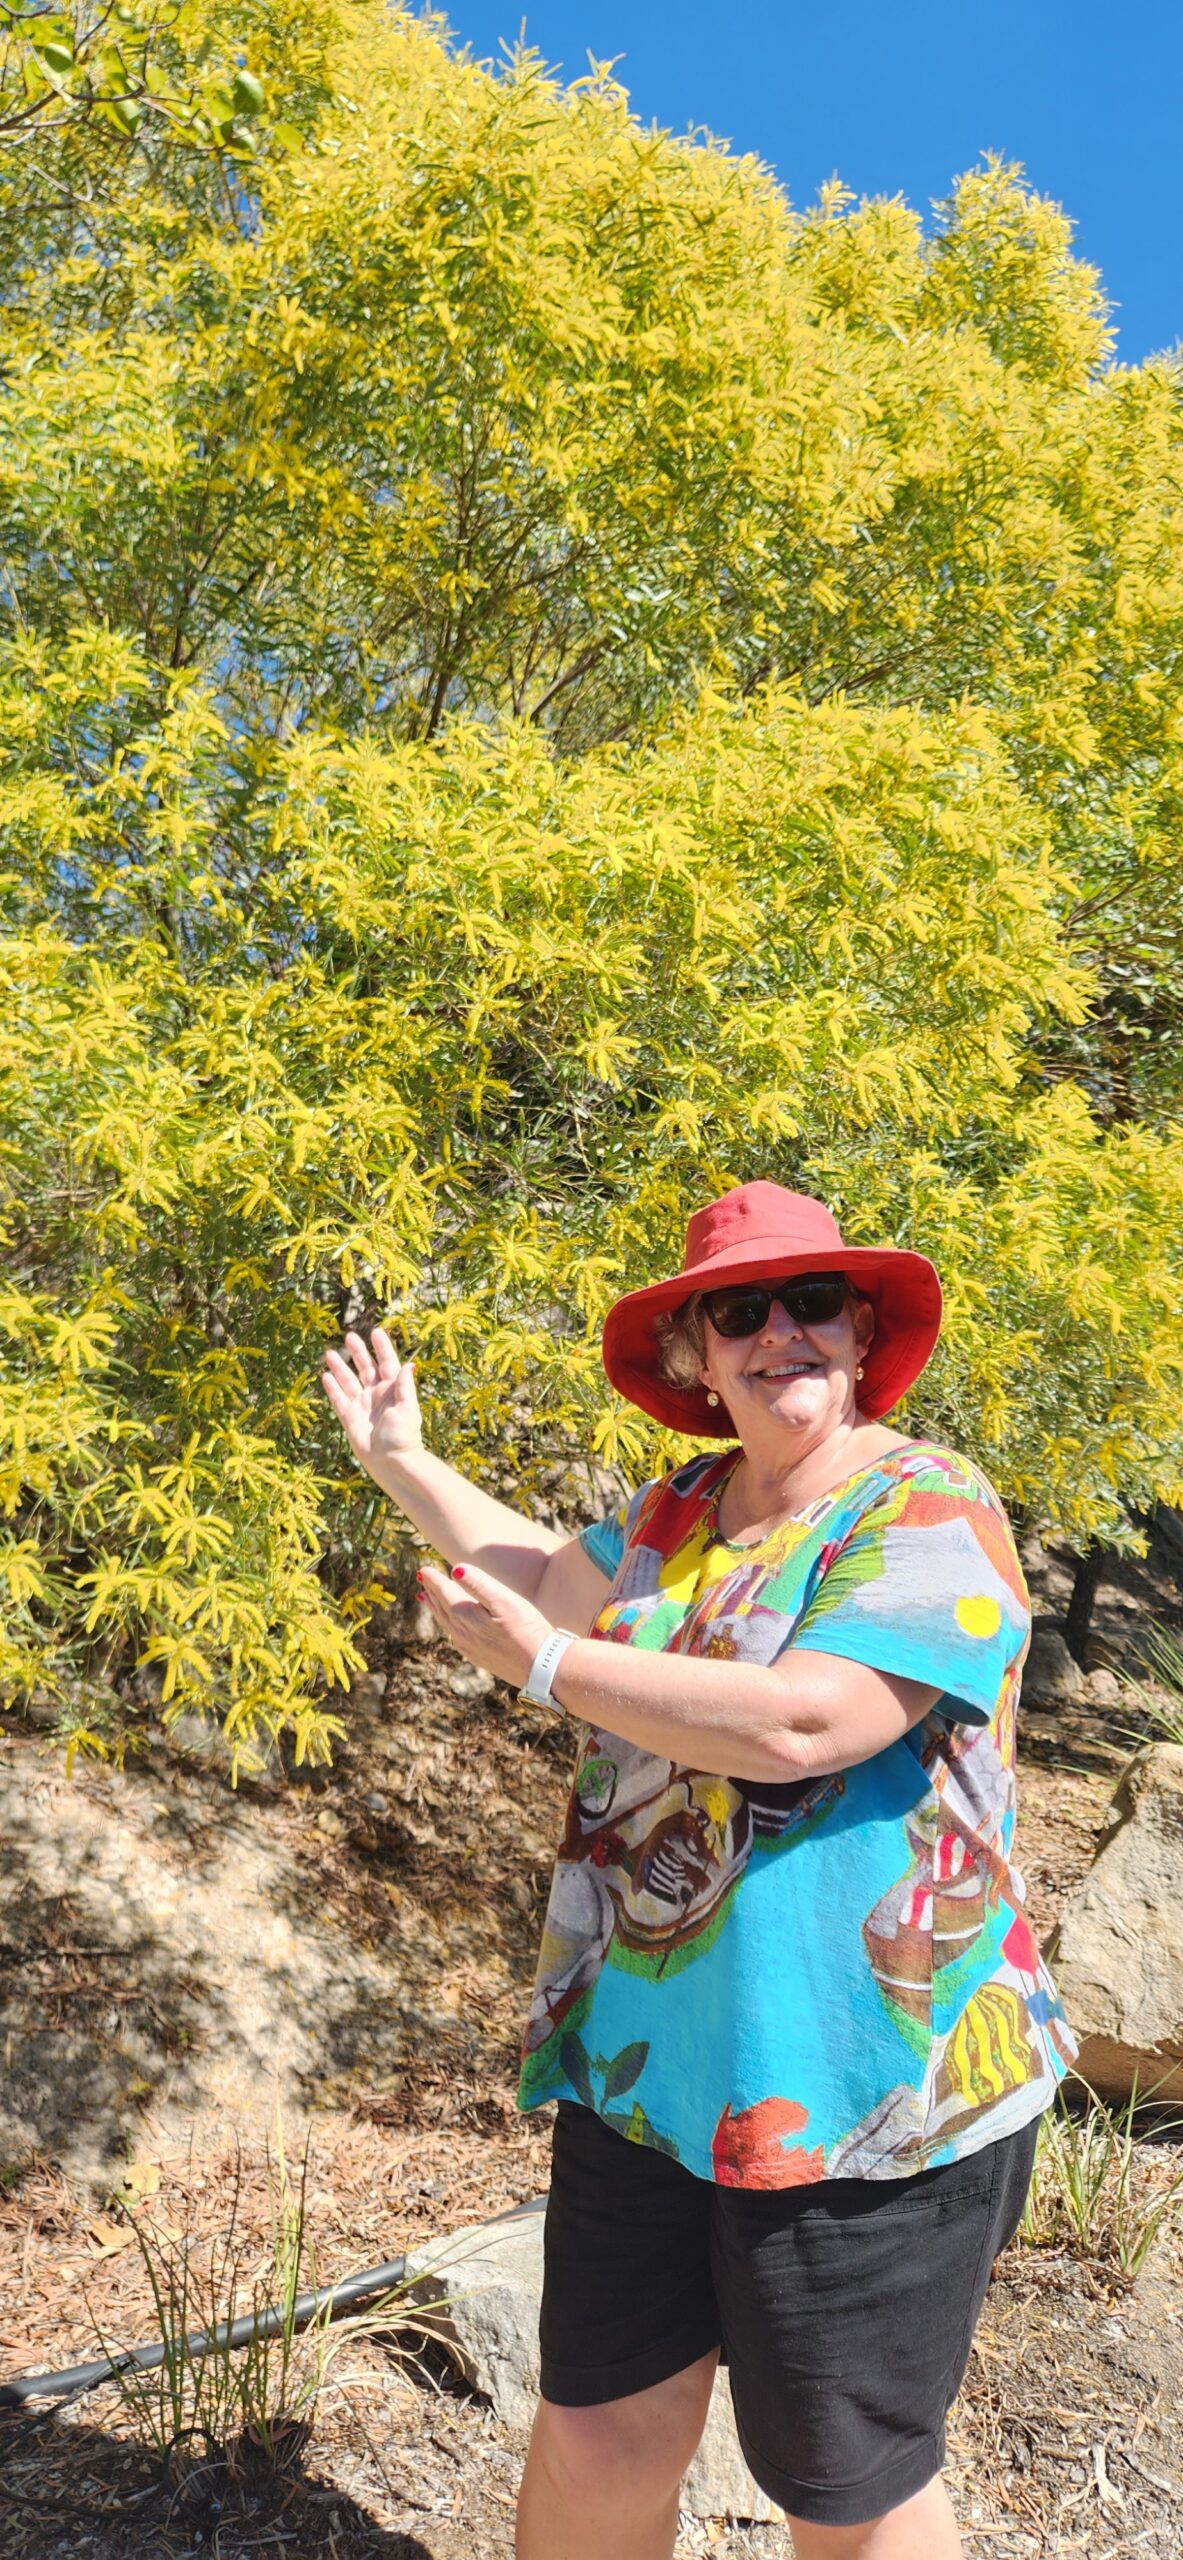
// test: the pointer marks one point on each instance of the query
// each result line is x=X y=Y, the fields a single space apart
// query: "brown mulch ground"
x=1067 y=2439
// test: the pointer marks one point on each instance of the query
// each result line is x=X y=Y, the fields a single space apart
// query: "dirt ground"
x=358 y=1947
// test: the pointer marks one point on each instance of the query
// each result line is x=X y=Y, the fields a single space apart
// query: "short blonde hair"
x=682 y=1344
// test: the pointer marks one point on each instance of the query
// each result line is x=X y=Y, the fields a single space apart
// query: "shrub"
x=534 y=683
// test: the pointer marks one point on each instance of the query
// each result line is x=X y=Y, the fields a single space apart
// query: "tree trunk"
x=1079 y=1616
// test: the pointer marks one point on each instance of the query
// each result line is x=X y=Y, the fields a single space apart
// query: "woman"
x=785 y=1957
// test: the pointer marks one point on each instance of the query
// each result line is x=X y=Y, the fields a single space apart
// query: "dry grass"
x=1100 y=2190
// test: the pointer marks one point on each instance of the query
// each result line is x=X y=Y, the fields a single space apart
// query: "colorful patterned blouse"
x=775 y=1983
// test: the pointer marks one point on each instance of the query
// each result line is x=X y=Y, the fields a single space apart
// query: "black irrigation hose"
x=327 y=2302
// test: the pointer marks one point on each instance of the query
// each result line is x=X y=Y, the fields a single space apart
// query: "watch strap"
x=536 y=1687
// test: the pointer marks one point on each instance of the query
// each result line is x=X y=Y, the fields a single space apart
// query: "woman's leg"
x=602 y=2483
x=848 y=2310
x=924 y=2528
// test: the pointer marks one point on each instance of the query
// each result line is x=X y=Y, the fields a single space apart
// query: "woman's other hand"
x=486 y=1621
x=373 y=1396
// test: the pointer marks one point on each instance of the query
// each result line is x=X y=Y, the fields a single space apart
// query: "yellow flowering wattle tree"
x=536 y=681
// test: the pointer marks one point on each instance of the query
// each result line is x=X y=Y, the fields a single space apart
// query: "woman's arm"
x=804 y=1717
x=811 y=1714
x=373 y=1396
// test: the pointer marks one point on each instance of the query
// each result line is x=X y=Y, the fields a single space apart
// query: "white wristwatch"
x=536 y=1687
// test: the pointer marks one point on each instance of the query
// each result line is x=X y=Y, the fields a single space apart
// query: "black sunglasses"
x=816 y=1297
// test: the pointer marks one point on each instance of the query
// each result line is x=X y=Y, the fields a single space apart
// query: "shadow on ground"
x=69 y=2486
x=91 y=2021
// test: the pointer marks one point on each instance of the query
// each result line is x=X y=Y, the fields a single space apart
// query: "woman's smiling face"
x=789 y=1376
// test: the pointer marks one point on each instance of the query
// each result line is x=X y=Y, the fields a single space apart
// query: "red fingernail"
x=458 y=1572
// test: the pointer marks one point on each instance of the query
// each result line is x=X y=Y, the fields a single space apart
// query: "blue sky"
x=897 y=96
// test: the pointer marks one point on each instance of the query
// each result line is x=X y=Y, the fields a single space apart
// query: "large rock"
x=1049 y=1674
x=484 y=2284
x=1118 y=1952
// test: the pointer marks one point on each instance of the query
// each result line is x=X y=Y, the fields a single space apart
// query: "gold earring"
x=859 y=1371
x=712 y=1398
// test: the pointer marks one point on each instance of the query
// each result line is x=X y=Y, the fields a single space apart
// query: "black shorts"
x=844 y=2310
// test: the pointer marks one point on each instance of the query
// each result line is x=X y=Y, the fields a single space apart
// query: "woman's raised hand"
x=373 y=1396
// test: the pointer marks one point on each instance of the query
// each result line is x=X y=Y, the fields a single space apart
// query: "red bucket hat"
x=760 y=1232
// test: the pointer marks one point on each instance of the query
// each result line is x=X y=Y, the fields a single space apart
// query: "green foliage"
x=1160 y=1708
x=1093 y=2192
x=535 y=682
x=158 y=74
x=201 y=2399
x=119 y=69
